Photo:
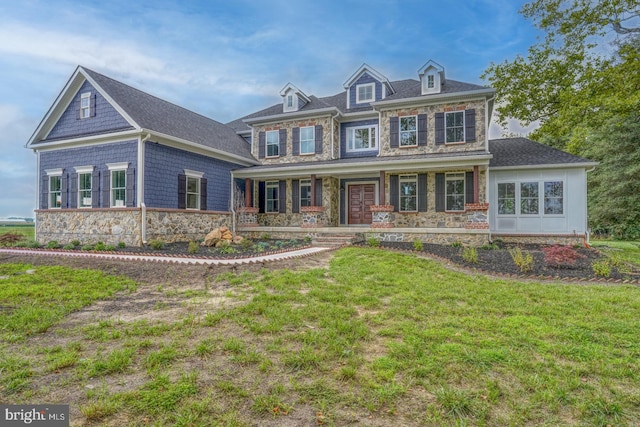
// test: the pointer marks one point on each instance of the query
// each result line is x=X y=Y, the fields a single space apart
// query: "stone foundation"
x=312 y=216
x=381 y=216
x=112 y=226
x=542 y=239
x=248 y=217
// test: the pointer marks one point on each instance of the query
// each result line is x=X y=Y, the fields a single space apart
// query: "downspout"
x=487 y=190
x=38 y=195
x=587 y=234
x=233 y=208
x=140 y=186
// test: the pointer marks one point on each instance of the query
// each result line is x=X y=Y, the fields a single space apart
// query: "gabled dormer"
x=431 y=77
x=293 y=99
x=365 y=86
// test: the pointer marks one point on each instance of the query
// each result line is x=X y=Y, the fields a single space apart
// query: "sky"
x=226 y=59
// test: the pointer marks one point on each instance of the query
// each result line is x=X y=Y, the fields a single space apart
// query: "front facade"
x=397 y=160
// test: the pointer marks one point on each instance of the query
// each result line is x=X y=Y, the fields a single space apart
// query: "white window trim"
x=373 y=93
x=464 y=129
x=542 y=197
x=349 y=130
x=84 y=170
x=87 y=96
x=515 y=194
x=53 y=172
x=431 y=81
x=276 y=185
x=455 y=176
x=193 y=174
x=117 y=166
x=313 y=140
x=540 y=181
x=400 y=132
x=112 y=199
x=266 y=144
x=407 y=178
x=300 y=184
x=197 y=175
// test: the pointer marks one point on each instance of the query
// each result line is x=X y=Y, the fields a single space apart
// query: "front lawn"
x=377 y=338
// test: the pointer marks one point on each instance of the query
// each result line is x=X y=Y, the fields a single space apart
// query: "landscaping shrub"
x=417 y=245
x=307 y=239
x=193 y=247
x=122 y=245
x=52 y=244
x=109 y=248
x=601 y=268
x=68 y=246
x=470 y=255
x=246 y=244
x=32 y=244
x=374 y=242
x=99 y=246
x=87 y=247
x=558 y=255
x=456 y=244
x=489 y=247
x=156 y=244
x=523 y=260
x=8 y=239
x=262 y=246
x=75 y=242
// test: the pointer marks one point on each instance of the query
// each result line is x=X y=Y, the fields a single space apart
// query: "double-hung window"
x=307 y=140
x=55 y=191
x=529 y=198
x=553 y=198
x=362 y=138
x=506 y=198
x=272 y=196
x=84 y=189
x=305 y=192
x=454 y=127
x=85 y=105
x=118 y=188
x=364 y=92
x=408 y=131
x=193 y=192
x=408 y=193
x=273 y=143
x=454 y=191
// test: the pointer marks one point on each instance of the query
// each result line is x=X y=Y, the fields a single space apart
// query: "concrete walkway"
x=171 y=259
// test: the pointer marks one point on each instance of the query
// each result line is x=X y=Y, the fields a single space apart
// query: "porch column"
x=313 y=190
x=476 y=191
x=247 y=192
x=381 y=189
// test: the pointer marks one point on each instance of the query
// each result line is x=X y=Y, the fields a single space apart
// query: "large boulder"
x=212 y=238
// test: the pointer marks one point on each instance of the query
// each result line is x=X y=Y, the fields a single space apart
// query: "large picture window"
x=272 y=196
x=529 y=198
x=55 y=192
x=307 y=140
x=362 y=138
x=454 y=127
x=454 y=191
x=408 y=193
x=408 y=131
x=506 y=198
x=553 y=198
x=524 y=198
x=273 y=143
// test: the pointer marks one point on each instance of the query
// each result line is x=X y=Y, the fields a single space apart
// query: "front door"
x=361 y=196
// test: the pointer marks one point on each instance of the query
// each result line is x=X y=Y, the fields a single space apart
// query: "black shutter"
x=44 y=192
x=469 y=125
x=394 y=126
x=283 y=142
x=439 y=128
x=468 y=188
x=74 y=191
x=318 y=201
x=440 y=193
x=95 y=188
x=79 y=109
x=394 y=192
x=130 y=188
x=106 y=189
x=203 y=194
x=295 y=141
x=422 y=129
x=295 y=196
x=93 y=106
x=261 y=198
x=64 y=190
x=318 y=135
x=182 y=191
x=282 y=196
x=261 y=145
x=422 y=192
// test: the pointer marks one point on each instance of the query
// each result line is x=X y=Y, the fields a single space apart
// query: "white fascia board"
x=293 y=115
x=360 y=115
x=442 y=163
x=434 y=99
x=364 y=67
x=86 y=141
x=582 y=165
x=192 y=147
x=295 y=89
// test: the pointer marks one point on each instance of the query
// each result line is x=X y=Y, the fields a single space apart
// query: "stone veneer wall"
x=112 y=226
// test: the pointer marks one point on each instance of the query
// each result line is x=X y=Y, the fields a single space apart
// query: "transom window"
x=85 y=105
x=364 y=92
x=529 y=198
x=271 y=196
x=307 y=140
x=55 y=192
x=454 y=127
x=118 y=188
x=408 y=131
x=84 y=190
x=362 y=138
x=305 y=192
x=273 y=143
x=506 y=198
x=408 y=193
x=454 y=190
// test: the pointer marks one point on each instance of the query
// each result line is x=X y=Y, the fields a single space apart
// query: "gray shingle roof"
x=155 y=114
x=525 y=152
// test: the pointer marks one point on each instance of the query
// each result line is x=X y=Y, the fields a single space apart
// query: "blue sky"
x=226 y=59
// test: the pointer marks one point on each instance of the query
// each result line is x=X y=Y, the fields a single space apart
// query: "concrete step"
x=332 y=240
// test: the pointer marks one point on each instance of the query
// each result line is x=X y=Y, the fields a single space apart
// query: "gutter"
x=293 y=115
x=587 y=233
x=232 y=203
x=433 y=99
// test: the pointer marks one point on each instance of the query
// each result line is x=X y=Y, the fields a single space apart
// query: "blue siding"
x=343 y=139
x=106 y=118
x=95 y=155
x=365 y=78
x=163 y=165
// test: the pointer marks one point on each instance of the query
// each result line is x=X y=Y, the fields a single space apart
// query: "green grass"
x=27 y=230
x=626 y=251
x=376 y=338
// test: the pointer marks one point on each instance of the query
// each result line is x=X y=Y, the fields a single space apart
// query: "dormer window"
x=85 y=105
x=364 y=92
x=289 y=101
x=430 y=81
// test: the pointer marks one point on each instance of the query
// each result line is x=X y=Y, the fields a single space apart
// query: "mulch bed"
x=498 y=261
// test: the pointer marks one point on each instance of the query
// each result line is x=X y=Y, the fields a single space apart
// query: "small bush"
x=265 y=236
x=456 y=244
x=373 y=242
x=557 y=255
x=489 y=247
x=99 y=246
x=32 y=244
x=601 y=268
x=109 y=248
x=68 y=247
x=156 y=244
x=417 y=245
x=193 y=247
x=307 y=240
x=262 y=246
x=470 y=255
x=227 y=250
x=246 y=244
x=8 y=239
x=523 y=260
x=122 y=245
x=75 y=242
x=52 y=244
x=87 y=247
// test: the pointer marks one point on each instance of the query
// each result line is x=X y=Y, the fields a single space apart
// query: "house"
x=399 y=160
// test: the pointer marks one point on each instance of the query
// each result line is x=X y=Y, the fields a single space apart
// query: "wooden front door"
x=361 y=196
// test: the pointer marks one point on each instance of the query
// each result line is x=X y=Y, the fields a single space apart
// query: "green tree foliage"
x=614 y=187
